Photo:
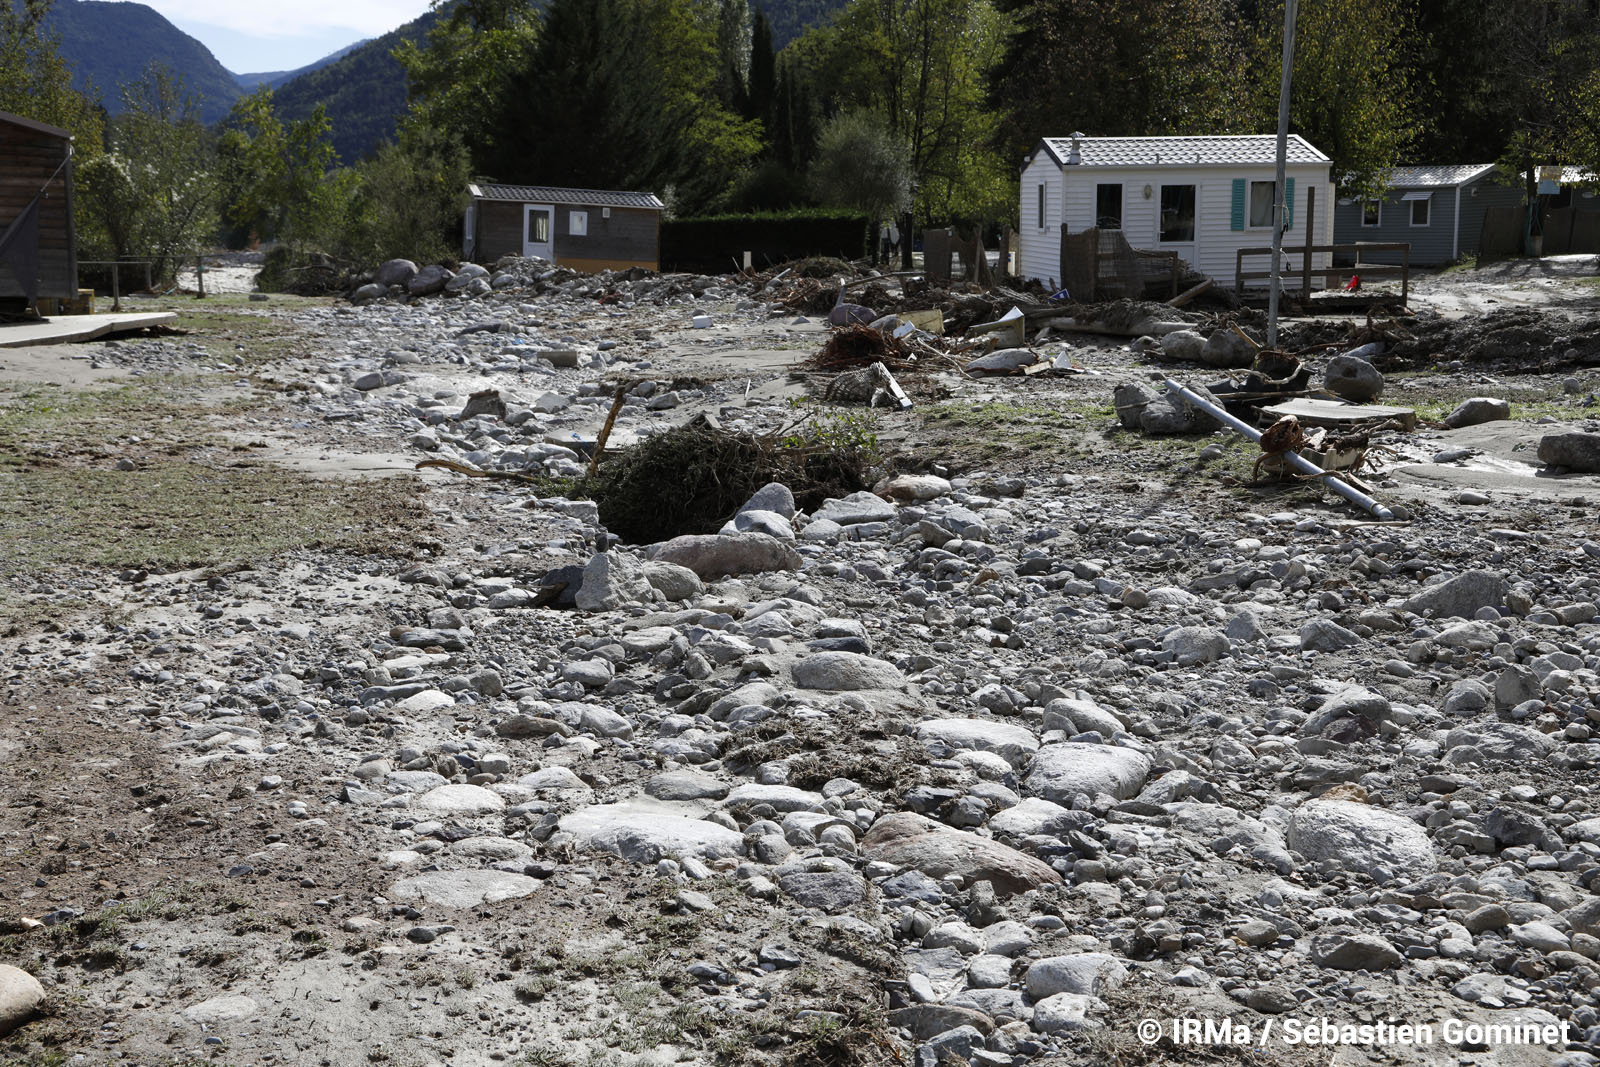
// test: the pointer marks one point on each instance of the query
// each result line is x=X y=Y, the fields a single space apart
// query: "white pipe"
x=1295 y=459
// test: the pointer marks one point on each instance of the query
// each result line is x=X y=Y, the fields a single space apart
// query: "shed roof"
x=36 y=127
x=1438 y=176
x=1220 y=151
x=547 y=194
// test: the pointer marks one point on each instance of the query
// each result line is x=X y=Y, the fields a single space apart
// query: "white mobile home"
x=1201 y=197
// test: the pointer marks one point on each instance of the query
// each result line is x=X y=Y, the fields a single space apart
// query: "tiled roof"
x=1437 y=177
x=545 y=194
x=1247 y=149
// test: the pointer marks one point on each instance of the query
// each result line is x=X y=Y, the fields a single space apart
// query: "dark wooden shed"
x=584 y=229
x=38 y=246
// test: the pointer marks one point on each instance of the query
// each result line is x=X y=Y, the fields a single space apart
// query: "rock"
x=458 y=799
x=1353 y=836
x=673 y=582
x=855 y=508
x=1196 y=644
x=825 y=890
x=1064 y=1011
x=774 y=497
x=843 y=671
x=1088 y=973
x=1014 y=744
x=1325 y=635
x=464 y=889
x=367 y=293
x=1576 y=451
x=1477 y=409
x=646 y=833
x=394 y=272
x=232 y=1008
x=755 y=520
x=927 y=1021
x=910 y=840
x=20 y=994
x=720 y=555
x=429 y=280
x=1460 y=597
x=1062 y=771
x=685 y=785
x=611 y=580
x=1503 y=741
x=1353 y=379
x=1080 y=716
x=1182 y=346
x=913 y=488
x=1346 y=950
x=1033 y=816
x=1227 y=348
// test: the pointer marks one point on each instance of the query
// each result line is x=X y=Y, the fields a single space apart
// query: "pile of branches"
x=692 y=478
x=859 y=345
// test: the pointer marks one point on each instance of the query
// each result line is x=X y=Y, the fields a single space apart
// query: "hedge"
x=717 y=244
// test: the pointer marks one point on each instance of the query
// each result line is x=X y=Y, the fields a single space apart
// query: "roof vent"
x=1076 y=155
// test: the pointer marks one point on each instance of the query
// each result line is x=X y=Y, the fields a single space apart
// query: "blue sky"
x=256 y=36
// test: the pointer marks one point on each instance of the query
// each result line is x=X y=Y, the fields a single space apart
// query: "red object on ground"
x=1354 y=283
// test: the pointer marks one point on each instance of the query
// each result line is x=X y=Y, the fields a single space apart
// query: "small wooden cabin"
x=35 y=177
x=584 y=229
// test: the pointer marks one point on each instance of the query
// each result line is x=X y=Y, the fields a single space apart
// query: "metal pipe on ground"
x=1295 y=459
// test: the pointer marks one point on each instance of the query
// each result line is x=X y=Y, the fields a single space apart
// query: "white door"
x=538 y=227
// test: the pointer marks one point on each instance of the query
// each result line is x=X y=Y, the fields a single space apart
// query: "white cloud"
x=293 y=18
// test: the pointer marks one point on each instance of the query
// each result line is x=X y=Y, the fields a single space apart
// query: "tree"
x=35 y=81
x=278 y=179
x=1352 y=90
x=409 y=200
x=153 y=193
x=864 y=166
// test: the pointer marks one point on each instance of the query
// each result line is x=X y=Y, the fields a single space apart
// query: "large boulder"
x=1354 y=379
x=464 y=889
x=1014 y=744
x=1062 y=771
x=612 y=579
x=1358 y=837
x=429 y=280
x=1478 y=409
x=719 y=555
x=907 y=839
x=1575 y=451
x=1459 y=597
x=1228 y=348
x=395 y=272
x=843 y=671
x=20 y=994
x=644 y=833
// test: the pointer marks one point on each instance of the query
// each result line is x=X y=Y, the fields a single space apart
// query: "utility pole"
x=1289 y=11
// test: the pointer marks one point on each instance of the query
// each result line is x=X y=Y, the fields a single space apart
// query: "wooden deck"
x=70 y=329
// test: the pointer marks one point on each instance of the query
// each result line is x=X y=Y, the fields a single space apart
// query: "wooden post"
x=116 y=288
x=200 y=276
x=605 y=431
x=1405 y=274
x=149 y=284
x=1310 y=230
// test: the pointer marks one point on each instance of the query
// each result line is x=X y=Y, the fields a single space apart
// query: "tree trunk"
x=905 y=241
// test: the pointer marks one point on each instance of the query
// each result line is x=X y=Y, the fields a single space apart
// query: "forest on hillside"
x=880 y=106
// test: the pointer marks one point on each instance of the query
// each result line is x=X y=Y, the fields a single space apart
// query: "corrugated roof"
x=1437 y=176
x=37 y=127
x=547 y=194
x=1234 y=150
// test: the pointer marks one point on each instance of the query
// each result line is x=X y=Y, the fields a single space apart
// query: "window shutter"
x=1288 y=204
x=1238 y=204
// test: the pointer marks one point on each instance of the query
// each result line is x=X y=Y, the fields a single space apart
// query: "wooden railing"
x=1306 y=271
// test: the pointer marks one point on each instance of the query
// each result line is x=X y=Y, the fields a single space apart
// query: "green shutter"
x=1288 y=205
x=1238 y=204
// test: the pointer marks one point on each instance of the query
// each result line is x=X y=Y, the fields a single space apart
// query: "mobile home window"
x=1370 y=212
x=1261 y=203
x=1041 y=207
x=1177 y=213
x=1419 y=212
x=578 y=223
x=1108 y=206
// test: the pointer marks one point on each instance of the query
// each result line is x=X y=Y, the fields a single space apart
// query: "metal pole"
x=1295 y=459
x=1289 y=11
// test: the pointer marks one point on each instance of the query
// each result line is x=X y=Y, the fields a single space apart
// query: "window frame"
x=1249 y=203
x=1122 y=202
x=578 y=223
x=1161 y=210
x=1377 y=214
x=1427 y=212
x=1041 y=205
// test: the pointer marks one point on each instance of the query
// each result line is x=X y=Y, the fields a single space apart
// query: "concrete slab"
x=70 y=329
